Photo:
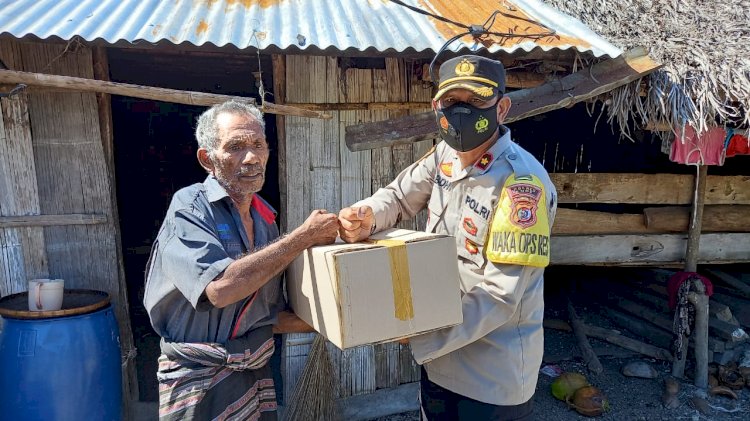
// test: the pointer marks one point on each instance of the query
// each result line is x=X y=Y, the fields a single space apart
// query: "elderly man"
x=498 y=202
x=213 y=289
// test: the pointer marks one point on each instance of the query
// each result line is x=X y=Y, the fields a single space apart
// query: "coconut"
x=566 y=384
x=589 y=401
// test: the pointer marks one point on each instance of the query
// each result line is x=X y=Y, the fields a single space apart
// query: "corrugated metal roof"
x=338 y=24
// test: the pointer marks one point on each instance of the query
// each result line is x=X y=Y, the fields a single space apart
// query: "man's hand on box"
x=356 y=223
x=290 y=323
x=320 y=228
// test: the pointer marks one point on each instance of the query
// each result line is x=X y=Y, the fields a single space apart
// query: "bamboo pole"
x=699 y=298
x=146 y=92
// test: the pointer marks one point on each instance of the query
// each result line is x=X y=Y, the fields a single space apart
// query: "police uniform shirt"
x=202 y=234
x=495 y=354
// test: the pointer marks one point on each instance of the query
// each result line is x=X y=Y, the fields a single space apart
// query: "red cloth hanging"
x=738 y=145
x=704 y=149
x=673 y=285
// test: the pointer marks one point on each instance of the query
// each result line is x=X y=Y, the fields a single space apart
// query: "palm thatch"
x=704 y=45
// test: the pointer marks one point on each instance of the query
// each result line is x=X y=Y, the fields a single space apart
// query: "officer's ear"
x=503 y=106
x=205 y=160
x=434 y=105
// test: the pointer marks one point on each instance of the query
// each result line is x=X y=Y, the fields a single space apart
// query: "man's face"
x=242 y=154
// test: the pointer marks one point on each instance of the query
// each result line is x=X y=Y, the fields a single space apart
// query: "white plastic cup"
x=46 y=294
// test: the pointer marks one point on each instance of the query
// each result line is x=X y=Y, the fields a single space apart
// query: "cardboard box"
x=398 y=284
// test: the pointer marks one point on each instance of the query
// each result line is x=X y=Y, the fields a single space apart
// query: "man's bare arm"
x=249 y=273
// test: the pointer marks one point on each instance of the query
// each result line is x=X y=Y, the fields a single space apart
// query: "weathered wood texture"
x=656 y=189
x=51 y=220
x=716 y=218
x=320 y=172
x=565 y=92
x=647 y=249
x=22 y=252
x=100 y=63
x=72 y=178
x=79 y=84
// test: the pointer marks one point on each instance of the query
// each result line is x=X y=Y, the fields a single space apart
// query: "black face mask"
x=464 y=127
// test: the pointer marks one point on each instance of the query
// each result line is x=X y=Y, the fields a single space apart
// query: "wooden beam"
x=730 y=280
x=565 y=92
x=716 y=218
x=362 y=106
x=657 y=189
x=78 y=84
x=613 y=337
x=646 y=249
x=581 y=222
x=579 y=330
x=51 y=220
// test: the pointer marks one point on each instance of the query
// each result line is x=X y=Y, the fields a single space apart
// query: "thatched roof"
x=704 y=45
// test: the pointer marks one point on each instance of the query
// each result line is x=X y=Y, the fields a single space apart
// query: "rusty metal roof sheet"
x=288 y=24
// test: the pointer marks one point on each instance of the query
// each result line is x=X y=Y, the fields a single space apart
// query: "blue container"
x=62 y=368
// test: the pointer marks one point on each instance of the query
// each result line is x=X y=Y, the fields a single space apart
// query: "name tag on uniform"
x=520 y=231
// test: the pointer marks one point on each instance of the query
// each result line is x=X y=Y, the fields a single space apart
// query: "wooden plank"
x=716 y=218
x=661 y=320
x=730 y=280
x=278 y=63
x=419 y=91
x=647 y=249
x=363 y=106
x=78 y=84
x=51 y=220
x=22 y=252
x=661 y=189
x=581 y=222
x=565 y=92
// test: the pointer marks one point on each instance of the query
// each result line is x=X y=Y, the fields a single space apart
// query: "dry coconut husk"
x=730 y=376
x=589 y=401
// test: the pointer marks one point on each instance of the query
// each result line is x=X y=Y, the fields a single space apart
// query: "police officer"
x=498 y=202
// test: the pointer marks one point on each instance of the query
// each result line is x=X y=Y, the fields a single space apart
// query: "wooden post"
x=588 y=354
x=278 y=62
x=100 y=64
x=699 y=300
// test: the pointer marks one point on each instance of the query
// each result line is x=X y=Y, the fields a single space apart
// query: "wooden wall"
x=52 y=163
x=320 y=172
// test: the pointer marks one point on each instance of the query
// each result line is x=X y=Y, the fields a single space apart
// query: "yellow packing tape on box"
x=400 y=278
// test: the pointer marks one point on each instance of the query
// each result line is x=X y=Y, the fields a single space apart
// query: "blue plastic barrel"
x=61 y=368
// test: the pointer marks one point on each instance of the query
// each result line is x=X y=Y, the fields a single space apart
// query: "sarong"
x=209 y=381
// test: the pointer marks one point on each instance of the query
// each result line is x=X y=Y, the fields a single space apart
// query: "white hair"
x=207 y=131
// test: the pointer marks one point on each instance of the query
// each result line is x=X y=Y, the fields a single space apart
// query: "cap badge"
x=484 y=91
x=464 y=68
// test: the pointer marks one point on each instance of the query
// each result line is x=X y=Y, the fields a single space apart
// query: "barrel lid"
x=75 y=302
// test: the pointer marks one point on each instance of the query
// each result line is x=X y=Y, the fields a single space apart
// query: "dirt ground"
x=630 y=398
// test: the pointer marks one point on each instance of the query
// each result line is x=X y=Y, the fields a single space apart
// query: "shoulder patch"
x=520 y=231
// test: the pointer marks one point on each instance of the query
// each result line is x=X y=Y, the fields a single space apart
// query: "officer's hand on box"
x=356 y=223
